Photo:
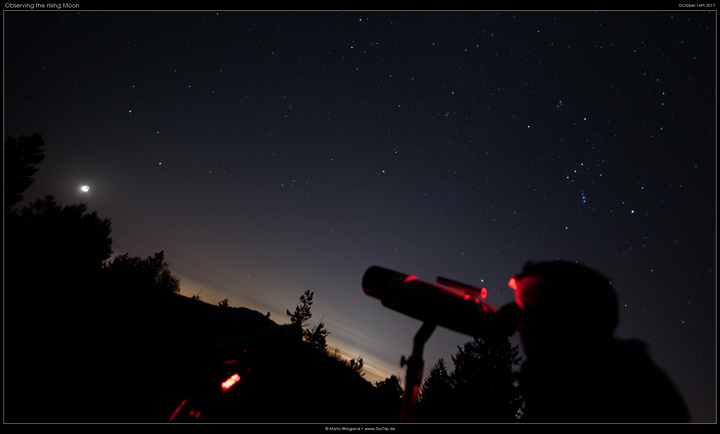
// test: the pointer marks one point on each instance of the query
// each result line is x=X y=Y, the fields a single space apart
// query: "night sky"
x=268 y=153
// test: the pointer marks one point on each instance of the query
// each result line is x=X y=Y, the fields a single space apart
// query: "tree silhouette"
x=391 y=386
x=224 y=303
x=436 y=395
x=356 y=365
x=66 y=240
x=149 y=273
x=438 y=382
x=302 y=312
x=389 y=398
x=484 y=382
x=20 y=157
x=316 y=337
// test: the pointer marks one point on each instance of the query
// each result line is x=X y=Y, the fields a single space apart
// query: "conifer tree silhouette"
x=436 y=394
x=484 y=382
x=317 y=337
x=302 y=312
x=20 y=157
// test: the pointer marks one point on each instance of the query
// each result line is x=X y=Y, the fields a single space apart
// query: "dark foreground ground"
x=97 y=357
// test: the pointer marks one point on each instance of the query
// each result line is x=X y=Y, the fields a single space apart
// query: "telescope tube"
x=432 y=303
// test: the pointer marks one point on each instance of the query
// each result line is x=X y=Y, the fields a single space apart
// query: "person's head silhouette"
x=563 y=304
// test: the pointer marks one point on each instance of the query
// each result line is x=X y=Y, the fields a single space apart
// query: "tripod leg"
x=413 y=378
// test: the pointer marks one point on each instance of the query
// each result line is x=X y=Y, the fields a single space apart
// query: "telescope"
x=454 y=305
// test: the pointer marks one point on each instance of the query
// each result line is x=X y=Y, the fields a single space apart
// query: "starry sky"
x=268 y=153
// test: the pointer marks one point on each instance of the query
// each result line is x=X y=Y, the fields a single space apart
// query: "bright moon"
x=85 y=188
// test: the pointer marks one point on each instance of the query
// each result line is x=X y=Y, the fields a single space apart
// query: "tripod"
x=413 y=378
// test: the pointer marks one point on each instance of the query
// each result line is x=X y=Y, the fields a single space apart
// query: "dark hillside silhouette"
x=295 y=383
x=134 y=362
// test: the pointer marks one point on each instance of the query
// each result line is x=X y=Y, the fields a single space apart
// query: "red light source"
x=513 y=283
x=410 y=278
x=469 y=291
x=230 y=382
x=177 y=410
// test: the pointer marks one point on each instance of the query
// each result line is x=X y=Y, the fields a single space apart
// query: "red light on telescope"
x=230 y=382
x=410 y=278
x=513 y=283
x=466 y=291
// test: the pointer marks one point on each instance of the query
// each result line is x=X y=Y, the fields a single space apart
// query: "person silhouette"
x=575 y=370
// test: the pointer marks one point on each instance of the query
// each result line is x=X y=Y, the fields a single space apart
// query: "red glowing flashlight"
x=230 y=382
